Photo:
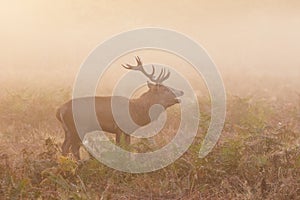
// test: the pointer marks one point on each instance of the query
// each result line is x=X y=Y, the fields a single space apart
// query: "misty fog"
x=45 y=42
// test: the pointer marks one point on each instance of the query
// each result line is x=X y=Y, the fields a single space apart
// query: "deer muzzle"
x=177 y=93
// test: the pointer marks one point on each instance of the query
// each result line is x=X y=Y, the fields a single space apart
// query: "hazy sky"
x=58 y=35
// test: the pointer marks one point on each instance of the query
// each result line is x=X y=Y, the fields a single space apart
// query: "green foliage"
x=256 y=157
x=248 y=115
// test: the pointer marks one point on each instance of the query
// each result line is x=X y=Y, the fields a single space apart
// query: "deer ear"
x=150 y=85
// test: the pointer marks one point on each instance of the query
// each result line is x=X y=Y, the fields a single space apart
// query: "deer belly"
x=107 y=124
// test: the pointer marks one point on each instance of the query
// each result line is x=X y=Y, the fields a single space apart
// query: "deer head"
x=157 y=92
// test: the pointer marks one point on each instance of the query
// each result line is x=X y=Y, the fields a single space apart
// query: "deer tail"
x=58 y=115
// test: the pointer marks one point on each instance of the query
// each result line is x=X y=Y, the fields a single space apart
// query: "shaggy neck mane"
x=139 y=108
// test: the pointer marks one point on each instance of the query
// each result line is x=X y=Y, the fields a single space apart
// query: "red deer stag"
x=157 y=93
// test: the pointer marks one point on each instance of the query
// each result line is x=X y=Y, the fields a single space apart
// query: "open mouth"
x=179 y=94
x=177 y=100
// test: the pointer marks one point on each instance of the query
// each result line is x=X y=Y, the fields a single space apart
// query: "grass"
x=257 y=156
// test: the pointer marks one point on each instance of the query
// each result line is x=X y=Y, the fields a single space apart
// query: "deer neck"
x=139 y=109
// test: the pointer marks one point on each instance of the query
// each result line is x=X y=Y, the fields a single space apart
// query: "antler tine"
x=153 y=70
x=162 y=72
x=164 y=76
x=167 y=76
x=126 y=67
x=139 y=67
x=151 y=75
x=138 y=60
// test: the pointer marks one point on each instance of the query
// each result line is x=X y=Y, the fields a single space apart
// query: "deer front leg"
x=75 y=150
x=122 y=137
x=127 y=139
x=118 y=137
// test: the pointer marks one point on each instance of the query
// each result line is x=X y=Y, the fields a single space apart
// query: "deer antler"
x=164 y=75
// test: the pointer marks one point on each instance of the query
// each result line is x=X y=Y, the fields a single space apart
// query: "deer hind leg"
x=66 y=145
x=67 y=142
x=71 y=142
x=75 y=142
x=122 y=137
x=75 y=150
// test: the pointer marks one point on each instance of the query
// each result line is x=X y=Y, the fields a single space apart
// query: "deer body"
x=138 y=110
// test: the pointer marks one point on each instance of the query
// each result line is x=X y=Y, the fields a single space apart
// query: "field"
x=257 y=156
x=255 y=45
